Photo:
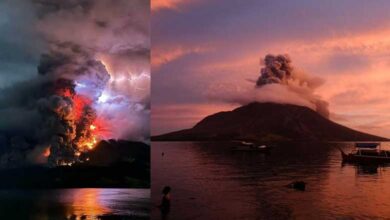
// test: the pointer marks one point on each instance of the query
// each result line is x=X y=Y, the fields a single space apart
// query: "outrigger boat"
x=368 y=153
x=249 y=146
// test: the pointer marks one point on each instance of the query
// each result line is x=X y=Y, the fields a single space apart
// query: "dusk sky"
x=202 y=47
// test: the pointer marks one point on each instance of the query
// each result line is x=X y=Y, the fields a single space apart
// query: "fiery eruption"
x=77 y=81
x=73 y=102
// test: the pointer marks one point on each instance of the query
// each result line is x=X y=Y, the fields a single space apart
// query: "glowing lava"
x=89 y=128
x=46 y=153
x=89 y=141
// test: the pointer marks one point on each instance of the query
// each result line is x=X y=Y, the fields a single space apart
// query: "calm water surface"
x=60 y=204
x=209 y=181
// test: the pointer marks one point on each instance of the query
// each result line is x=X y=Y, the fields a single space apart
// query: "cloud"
x=165 y=4
x=18 y=55
x=167 y=55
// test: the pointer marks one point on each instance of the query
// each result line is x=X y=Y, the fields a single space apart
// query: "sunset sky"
x=202 y=46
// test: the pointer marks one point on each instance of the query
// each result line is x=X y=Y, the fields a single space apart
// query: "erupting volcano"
x=83 y=121
x=92 y=84
x=74 y=110
x=78 y=114
x=75 y=82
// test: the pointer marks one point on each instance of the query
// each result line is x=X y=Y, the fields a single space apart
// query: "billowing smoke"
x=278 y=82
x=92 y=83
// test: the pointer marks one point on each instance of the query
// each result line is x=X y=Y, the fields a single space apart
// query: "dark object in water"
x=366 y=153
x=367 y=169
x=297 y=185
x=162 y=154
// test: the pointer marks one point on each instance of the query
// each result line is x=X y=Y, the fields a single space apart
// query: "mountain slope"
x=268 y=122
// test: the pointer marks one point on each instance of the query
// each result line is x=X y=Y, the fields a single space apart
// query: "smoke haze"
x=278 y=82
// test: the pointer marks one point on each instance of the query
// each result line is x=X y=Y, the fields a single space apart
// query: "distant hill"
x=268 y=122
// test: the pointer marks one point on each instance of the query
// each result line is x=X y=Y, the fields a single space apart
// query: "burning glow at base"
x=46 y=153
x=90 y=141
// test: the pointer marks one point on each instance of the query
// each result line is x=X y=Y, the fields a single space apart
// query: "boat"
x=366 y=153
x=244 y=143
x=249 y=146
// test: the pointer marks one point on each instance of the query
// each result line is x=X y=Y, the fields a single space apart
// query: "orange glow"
x=93 y=131
x=88 y=201
x=102 y=128
x=160 y=4
x=79 y=104
x=46 y=153
x=65 y=93
x=88 y=143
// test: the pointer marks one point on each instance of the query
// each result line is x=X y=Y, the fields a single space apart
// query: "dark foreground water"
x=58 y=204
x=211 y=182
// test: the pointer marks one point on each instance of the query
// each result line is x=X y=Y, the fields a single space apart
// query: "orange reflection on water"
x=87 y=202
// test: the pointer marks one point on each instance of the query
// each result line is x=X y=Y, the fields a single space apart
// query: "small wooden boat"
x=368 y=153
x=248 y=146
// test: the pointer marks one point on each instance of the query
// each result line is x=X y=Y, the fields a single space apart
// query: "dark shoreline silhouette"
x=112 y=164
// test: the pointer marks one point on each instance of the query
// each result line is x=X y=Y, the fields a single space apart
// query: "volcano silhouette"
x=268 y=122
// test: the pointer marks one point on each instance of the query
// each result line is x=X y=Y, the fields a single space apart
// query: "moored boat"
x=249 y=146
x=370 y=153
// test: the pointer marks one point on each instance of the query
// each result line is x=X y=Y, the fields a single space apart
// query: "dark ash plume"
x=278 y=69
x=279 y=82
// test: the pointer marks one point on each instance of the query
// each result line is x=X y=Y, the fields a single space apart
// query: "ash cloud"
x=279 y=82
x=95 y=49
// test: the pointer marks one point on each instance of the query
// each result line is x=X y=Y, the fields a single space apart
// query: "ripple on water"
x=209 y=180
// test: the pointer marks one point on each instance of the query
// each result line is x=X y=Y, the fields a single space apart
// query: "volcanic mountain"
x=268 y=122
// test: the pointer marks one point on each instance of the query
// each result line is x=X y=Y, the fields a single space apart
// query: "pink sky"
x=201 y=46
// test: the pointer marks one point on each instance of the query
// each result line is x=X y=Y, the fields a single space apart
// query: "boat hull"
x=352 y=158
x=251 y=149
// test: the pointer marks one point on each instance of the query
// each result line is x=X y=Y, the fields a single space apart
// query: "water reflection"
x=75 y=204
x=87 y=201
x=210 y=181
x=367 y=169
